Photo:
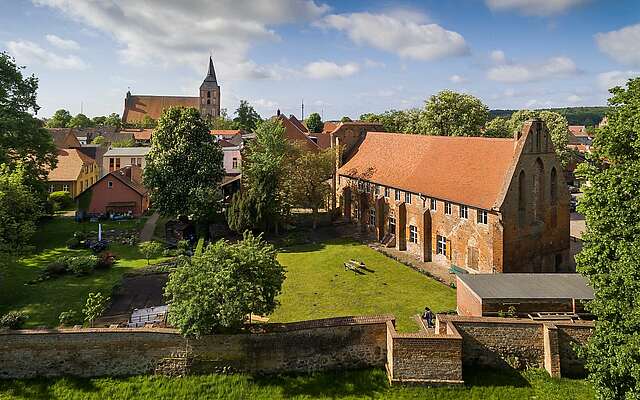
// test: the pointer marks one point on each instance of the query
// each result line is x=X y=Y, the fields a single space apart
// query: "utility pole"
x=303 y=109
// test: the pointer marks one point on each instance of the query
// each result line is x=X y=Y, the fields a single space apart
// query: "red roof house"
x=118 y=192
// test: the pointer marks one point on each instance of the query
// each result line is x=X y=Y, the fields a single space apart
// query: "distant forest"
x=588 y=116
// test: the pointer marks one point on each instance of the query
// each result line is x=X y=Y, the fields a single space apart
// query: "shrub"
x=151 y=249
x=183 y=248
x=94 y=307
x=13 y=320
x=200 y=246
x=73 y=243
x=58 y=267
x=105 y=260
x=61 y=200
x=82 y=265
x=68 y=318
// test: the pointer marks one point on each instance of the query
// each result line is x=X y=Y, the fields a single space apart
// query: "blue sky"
x=342 y=57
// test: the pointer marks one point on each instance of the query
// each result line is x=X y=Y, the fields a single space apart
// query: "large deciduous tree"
x=309 y=177
x=557 y=125
x=217 y=290
x=222 y=122
x=498 y=128
x=23 y=140
x=314 y=123
x=80 y=121
x=113 y=120
x=247 y=118
x=184 y=166
x=610 y=257
x=454 y=114
x=60 y=119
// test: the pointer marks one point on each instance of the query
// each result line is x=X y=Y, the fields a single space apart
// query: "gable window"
x=441 y=245
x=234 y=163
x=109 y=184
x=447 y=208
x=464 y=212
x=386 y=192
x=434 y=204
x=372 y=216
x=398 y=192
x=392 y=225
x=483 y=217
x=413 y=234
x=407 y=197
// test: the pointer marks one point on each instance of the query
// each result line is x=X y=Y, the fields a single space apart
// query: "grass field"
x=364 y=384
x=44 y=301
x=317 y=285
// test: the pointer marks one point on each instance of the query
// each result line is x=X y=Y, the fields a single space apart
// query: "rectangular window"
x=357 y=212
x=413 y=234
x=441 y=245
x=392 y=225
x=376 y=189
x=372 y=216
x=361 y=186
x=483 y=217
x=112 y=164
x=386 y=192
x=133 y=161
x=434 y=204
x=398 y=192
x=110 y=184
x=464 y=212
x=234 y=163
x=51 y=188
x=407 y=197
x=118 y=163
x=65 y=188
x=447 y=208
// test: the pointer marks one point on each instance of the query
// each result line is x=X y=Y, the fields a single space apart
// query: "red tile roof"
x=465 y=170
x=70 y=163
x=294 y=134
x=136 y=106
x=578 y=130
x=225 y=132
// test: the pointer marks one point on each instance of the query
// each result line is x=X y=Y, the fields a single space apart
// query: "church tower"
x=210 y=94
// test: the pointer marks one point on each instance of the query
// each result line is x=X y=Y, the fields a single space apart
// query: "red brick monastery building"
x=483 y=204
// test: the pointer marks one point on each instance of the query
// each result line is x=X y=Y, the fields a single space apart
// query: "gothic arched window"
x=554 y=186
x=522 y=198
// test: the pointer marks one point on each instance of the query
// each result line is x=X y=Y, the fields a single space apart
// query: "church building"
x=136 y=107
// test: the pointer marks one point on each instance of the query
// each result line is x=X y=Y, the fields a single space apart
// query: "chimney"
x=278 y=112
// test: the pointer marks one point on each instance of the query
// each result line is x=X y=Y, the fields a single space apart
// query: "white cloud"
x=534 y=7
x=373 y=64
x=171 y=33
x=551 y=68
x=328 y=70
x=607 y=80
x=399 y=33
x=498 y=56
x=27 y=52
x=574 y=98
x=64 y=44
x=622 y=45
x=457 y=79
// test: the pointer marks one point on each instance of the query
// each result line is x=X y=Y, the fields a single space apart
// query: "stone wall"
x=339 y=343
x=570 y=337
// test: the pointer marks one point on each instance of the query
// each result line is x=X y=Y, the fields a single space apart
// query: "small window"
x=51 y=188
x=208 y=94
x=376 y=189
x=118 y=163
x=407 y=197
x=413 y=234
x=133 y=161
x=464 y=212
x=441 y=245
x=398 y=193
x=109 y=184
x=447 y=208
x=361 y=186
x=434 y=204
x=386 y=192
x=392 y=225
x=372 y=216
x=482 y=217
x=65 y=188
x=357 y=211
x=208 y=101
x=234 y=163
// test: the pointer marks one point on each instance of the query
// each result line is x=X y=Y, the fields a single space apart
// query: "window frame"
x=392 y=222
x=434 y=205
x=109 y=184
x=407 y=197
x=482 y=217
x=441 y=245
x=65 y=188
x=386 y=192
x=463 y=211
x=398 y=194
x=413 y=234
x=447 y=208
x=372 y=216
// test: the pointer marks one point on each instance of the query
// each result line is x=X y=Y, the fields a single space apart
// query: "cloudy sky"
x=341 y=57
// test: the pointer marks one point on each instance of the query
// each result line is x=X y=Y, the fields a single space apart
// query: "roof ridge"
x=441 y=136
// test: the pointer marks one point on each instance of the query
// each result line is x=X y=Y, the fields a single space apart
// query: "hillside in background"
x=589 y=116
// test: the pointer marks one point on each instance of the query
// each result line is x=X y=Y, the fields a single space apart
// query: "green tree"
x=314 y=123
x=184 y=166
x=557 y=125
x=610 y=256
x=123 y=143
x=401 y=121
x=498 y=128
x=151 y=249
x=246 y=118
x=20 y=209
x=242 y=214
x=94 y=307
x=80 y=121
x=223 y=122
x=98 y=121
x=59 y=119
x=113 y=120
x=217 y=290
x=264 y=172
x=454 y=114
x=23 y=140
x=309 y=179
x=346 y=119
x=99 y=140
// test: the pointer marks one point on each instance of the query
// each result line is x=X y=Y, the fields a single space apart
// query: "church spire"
x=211 y=75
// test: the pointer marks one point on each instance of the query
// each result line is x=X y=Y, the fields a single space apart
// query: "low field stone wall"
x=337 y=343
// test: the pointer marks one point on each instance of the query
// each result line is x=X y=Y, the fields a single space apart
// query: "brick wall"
x=570 y=337
x=338 y=343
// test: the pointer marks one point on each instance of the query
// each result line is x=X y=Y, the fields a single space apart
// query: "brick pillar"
x=401 y=227
x=551 y=350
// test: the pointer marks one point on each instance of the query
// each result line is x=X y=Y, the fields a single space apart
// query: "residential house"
x=232 y=156
x=74 y=173
x=118 y=192
x=483 y=204
x=141 y=136
x=119 y=157
x=64 y=138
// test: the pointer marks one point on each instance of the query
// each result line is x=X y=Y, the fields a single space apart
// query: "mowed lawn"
x=364 y=384
x=44 y=301
x=317 y=285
